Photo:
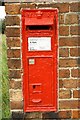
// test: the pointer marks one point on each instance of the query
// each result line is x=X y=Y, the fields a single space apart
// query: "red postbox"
x=39 y=59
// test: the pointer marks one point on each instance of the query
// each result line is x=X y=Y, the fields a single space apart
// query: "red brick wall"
x=69 y=58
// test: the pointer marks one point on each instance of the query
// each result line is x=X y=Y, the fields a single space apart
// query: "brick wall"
x=69 y=59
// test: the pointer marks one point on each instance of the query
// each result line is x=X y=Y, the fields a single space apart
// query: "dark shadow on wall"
x=1 y=2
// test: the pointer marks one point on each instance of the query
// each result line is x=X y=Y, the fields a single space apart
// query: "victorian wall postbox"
x=39 y=59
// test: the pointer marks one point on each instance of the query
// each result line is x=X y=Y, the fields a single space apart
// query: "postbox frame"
x=28 y=108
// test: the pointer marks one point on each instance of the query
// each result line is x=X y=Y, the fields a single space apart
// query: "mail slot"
x=39 y=59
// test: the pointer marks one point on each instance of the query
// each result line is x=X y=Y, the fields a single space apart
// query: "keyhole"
x=34 y=86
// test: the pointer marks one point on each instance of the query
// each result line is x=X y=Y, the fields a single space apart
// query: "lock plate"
x=31 y=61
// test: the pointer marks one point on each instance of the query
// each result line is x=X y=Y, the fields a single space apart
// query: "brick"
x=69 y=104
x=12 y=32
x=13 y=53
x=75 y=52
x=49 y=115
x=15 y=84
x=61 y=19
x=30 y=6
x=13 y=42
x=33 y=115
x=64 y=73
x=23 y=5
x=56 y=115
x=17 y=115
x=60 y=83
x=75 y=30
x=15 y=95
x=78 y=62
x=75 y=73
x=14 y=74
x=78 y=83
x=63 y=7
x=64 y=94
x=16 y=105
x=76 y=114
x=40 y=5
x=13 y=8
x=12 y=20
x=75 y=7
x=65 y=114
x=14 y=63
x=69 y=41
x=76 y=93
x=72 y=19
x=11 y=83
x=70 y=83
x=64 y=30
x=68 y=62
x=63 y=52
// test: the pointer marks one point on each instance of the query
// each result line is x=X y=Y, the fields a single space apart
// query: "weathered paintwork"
x=39 y=61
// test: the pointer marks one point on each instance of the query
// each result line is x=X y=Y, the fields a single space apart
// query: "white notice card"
x=39 y=43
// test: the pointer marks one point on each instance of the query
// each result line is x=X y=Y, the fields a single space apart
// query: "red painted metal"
x=39 y=63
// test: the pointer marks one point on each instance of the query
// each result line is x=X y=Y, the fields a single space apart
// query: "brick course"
x=75 y=30
x=69 y=41
x=64 y=30
x=15 y=95
x=16 y=105
x=64 y=73
x=68 y=63
x=12 y=20
x=63 y=7
x=71 y=83
x=69 y=104
x=13 y=42
x=72 y=19
x=64 y=94
x=14 y=74
x=15 y=84
x=12 y=8
x=12 y=32
x=63 y=52
x=13 y=53
x=75 y=7
x=14 y=63
x=69 y=58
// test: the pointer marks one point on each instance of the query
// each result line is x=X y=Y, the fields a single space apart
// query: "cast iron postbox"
x=39 y=59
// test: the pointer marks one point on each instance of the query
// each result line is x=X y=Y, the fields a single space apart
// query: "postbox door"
x=40 y=81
